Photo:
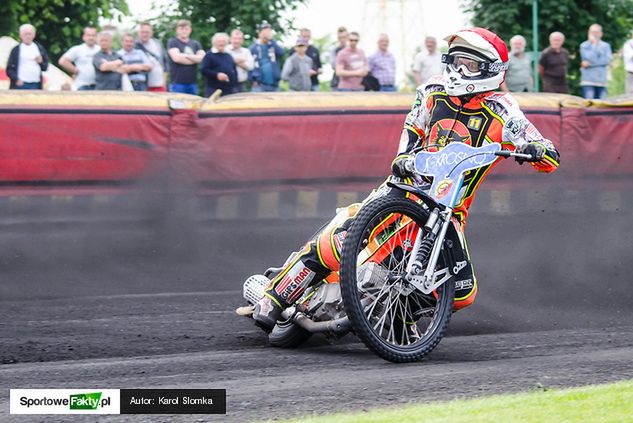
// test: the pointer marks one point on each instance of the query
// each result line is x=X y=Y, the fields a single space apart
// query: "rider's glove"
x=403 y=166
x=533 y=148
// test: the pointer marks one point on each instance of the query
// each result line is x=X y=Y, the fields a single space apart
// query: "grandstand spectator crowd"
x=228 y=67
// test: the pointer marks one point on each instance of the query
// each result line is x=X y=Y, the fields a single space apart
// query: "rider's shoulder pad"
x=504 y=104
x=433 y=84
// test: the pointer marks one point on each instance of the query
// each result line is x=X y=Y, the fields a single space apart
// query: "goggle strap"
x=491 y=67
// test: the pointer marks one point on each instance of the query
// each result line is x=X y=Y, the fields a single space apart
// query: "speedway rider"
x=458 y=106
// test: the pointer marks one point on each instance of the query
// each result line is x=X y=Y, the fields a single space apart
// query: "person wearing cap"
x=267 y=54
x=298 y=69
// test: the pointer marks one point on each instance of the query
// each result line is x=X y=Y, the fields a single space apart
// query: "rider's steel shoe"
x=266 y=314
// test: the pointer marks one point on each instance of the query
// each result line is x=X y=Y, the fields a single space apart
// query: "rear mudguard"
x=452 y=251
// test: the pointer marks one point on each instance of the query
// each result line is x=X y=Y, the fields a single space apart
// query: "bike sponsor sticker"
x=464 y=284
x=443 y=188
x=514 y=127
x=297 y=278
x=338 y=240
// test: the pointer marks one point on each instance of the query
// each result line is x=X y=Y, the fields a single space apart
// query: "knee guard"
x=465 y=288
x=304 y=270
x=465 y=281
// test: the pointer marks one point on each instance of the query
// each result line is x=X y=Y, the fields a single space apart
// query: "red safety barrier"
x=241 y=148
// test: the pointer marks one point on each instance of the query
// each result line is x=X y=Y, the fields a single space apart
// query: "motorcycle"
x=395 y=286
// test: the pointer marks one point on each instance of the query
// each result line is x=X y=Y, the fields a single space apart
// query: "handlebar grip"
x=503 y=153
x=528 y=157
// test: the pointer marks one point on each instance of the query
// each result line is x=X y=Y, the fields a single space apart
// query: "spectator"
x=184 y=56
x=242 y=57
x=351 y=65
x=157 y=77
x=628 y=64
x=382 y=65
x=218 y=67
x=342 y=43
x=27 y=61
x=314 y=54
x=299 y=68
x=596 y=56
x=519 y=73
x=267 y=55
x=136 y=63
x=78 y=60
x=108 y=64
x=553 y=65
x=427 y=63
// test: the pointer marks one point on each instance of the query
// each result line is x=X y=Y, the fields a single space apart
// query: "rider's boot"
x=283 y=291
x=266 y=313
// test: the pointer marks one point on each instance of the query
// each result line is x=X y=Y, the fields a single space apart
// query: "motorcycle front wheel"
x=392 y=318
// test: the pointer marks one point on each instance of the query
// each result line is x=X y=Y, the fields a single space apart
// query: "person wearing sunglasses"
x=351 y=65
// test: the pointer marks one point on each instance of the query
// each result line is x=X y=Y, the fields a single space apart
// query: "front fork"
x=428 y=248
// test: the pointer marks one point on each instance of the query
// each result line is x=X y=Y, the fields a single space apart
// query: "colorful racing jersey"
x=437 y=119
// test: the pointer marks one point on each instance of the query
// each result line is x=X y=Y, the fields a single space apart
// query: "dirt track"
x=123 y=305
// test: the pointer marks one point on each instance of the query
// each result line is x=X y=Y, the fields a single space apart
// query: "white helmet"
x=476 y=62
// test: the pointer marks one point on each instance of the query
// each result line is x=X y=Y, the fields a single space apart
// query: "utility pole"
x=535 y=43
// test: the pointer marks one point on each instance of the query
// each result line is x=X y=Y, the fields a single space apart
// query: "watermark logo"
x=87 y=401
x=64 y=401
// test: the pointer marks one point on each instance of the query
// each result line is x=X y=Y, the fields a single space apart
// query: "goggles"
x=470 y=67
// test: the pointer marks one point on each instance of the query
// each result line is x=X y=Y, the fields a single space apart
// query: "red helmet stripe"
x=493 y=39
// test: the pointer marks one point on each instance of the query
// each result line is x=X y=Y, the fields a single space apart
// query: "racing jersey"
x=437 y=119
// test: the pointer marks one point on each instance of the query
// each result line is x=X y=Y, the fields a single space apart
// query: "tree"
x=210 y=16
x=571 y=17
x=59 y=23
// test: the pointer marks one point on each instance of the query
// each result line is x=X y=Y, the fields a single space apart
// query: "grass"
x=618 y=76
x=595 y=403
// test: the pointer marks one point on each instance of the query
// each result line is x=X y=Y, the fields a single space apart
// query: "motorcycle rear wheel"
x=416 y=322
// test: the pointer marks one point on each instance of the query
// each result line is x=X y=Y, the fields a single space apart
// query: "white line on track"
x=142 y=295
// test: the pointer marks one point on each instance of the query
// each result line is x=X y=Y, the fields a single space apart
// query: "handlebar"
x=508 y=153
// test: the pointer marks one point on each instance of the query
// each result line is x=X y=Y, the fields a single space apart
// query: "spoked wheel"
x=391 y=317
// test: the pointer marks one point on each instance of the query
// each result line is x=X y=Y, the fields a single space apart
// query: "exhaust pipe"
x=336 y=326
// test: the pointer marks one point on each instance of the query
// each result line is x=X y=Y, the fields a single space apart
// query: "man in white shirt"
x=78 y=60
x=243 y=58
x=157 y=77
x=427 y=63
x=27 y=61
x=628 y=64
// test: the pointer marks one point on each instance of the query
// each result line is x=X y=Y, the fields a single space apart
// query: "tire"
x=288 y=335
x=439 y=313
